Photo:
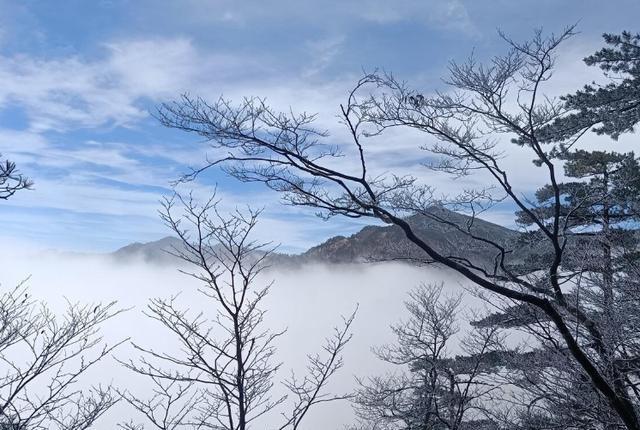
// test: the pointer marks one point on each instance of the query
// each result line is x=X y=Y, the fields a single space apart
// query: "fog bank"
x=308 y=301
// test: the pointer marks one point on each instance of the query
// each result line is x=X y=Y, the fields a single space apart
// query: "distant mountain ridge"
x=372 y=243
x=150 y=252
x=390 y=242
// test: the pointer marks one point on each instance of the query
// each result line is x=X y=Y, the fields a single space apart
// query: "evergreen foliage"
x=613 y=108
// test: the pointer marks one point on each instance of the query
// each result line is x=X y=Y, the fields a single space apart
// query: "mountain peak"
x=371 y=243
x=440 y=228
x=156 y=251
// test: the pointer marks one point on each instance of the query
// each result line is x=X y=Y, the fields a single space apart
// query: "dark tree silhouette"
x=43 y=359
x=11 y=180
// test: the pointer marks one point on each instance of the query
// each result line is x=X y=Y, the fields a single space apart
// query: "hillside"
x=372 y=243
x=375 y=243
x=150 y=252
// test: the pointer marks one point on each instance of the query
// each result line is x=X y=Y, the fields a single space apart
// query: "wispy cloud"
x=78 y=122
x=72 y=91
x=322 y=52
x=110 y=180
x=443 y=13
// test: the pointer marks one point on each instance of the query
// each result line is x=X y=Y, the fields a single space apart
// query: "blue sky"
x=80 y=78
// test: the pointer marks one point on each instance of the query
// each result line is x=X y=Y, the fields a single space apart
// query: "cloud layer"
x=308 y=302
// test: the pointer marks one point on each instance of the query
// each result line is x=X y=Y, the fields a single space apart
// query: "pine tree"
x=599 y=209
x=613 y=108
x=600 y=271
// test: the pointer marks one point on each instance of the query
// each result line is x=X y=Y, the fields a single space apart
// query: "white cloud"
x=451 y=14
x=77 y=194
x=59 y=93
x=76 y=92
x=308 y=301
x=445 y=13
x=322 y=52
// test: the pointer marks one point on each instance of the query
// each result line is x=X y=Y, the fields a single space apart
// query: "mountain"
x=389 y=242
x=158 y=252
x=150 y=252
x=372 y=243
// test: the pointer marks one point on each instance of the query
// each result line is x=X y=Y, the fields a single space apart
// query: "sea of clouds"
x=308 y=301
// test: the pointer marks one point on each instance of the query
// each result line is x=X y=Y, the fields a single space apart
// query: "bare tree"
x=432 y=388
x=11 y=180
x=43 y=356
x=42 y=360
x=485 y=104
x=168 y=408
x=223 y=377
